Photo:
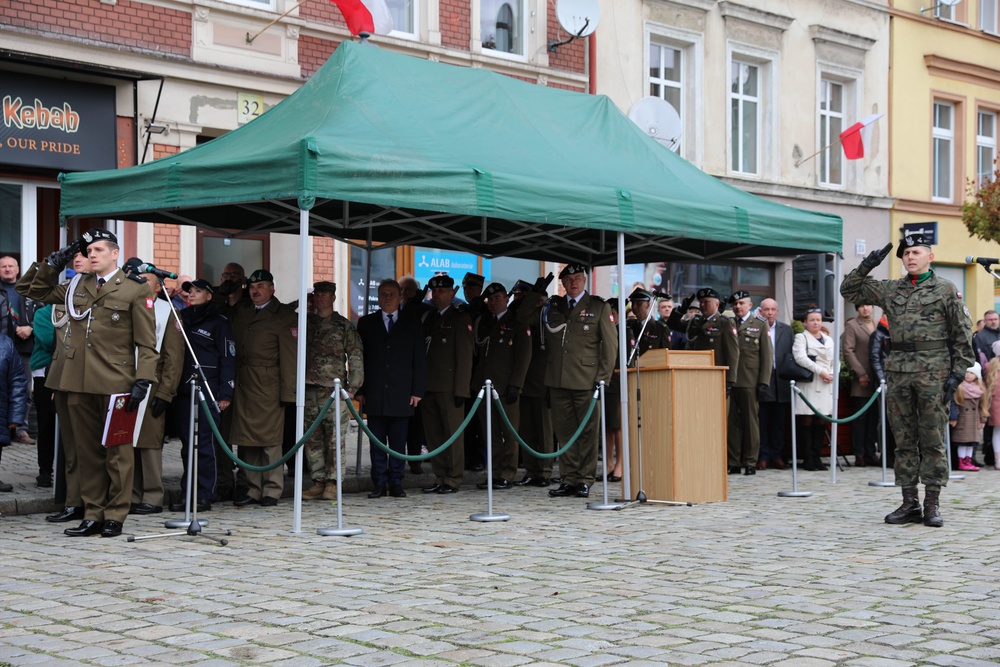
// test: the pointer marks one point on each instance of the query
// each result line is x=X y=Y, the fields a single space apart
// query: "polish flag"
x=368 y=16
x=853 y=139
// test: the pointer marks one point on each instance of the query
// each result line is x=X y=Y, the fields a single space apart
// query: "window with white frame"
x=258 y=4
x=943 y=138
x=943 y=11
x=501 y=26
x=988 y=15
x=744 y=117
x=403 y=15
x=666 y=77
x=831 y=124
x=986 y=146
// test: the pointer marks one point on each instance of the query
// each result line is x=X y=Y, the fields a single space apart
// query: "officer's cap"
x=325 y=286
x=707 y=293
x=520 y=286
x=96 y=234
x=473 y=279
x=911 y=240
x=200 y=283
x=443 y=280
x=739 y=294
x=260 y=275
x=639 y=294
x=695 y=305
x=493 y=289
x=572 y=270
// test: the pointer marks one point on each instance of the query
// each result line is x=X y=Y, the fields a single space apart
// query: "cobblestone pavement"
x=756 y=580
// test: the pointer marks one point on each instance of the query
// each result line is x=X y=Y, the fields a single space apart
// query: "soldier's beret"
x=473 y=279
x=639 y=294
x=200 y=283
x=96 y=234
x=520 y=286
x=740 y=294
x=260 y=275
x=325 y=286
x=572 y=270
x=911 y=240
x=707 y=293
x=493 y=289
x=443 y=280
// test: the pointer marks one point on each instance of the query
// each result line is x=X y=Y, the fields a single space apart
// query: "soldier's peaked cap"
x=911 y=240
x=325 y=286
x=520 y=286
x=639 y=294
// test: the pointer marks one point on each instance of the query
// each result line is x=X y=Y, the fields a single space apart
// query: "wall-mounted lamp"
x=153 y=128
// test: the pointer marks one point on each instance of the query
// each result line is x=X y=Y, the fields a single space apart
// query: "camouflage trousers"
x=918 y=416
x=320 y=449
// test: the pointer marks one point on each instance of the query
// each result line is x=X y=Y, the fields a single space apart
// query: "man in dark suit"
x=393 y=385
x=774 y=402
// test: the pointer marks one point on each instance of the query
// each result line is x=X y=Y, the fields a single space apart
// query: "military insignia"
x=528 y=331
x=231 y=344
x=294 y=331
x=119 y=403
x=611 y=316
x=177 y=324
x=87 y=237
x=149 y=303
x=734 y=331
x=586 y=327
x=470 y=327
x=115 y=316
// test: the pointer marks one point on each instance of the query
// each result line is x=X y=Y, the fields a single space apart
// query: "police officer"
x=753 y=377
x=334 y=350
x=930 y=349
x=709 y=329
x=504 y=357
x=110 y=348
x=579 y=329
x=448 y=333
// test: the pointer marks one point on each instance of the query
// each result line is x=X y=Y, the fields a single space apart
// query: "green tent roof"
x=417 y=152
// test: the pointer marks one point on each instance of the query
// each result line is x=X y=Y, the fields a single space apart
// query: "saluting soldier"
x=449 y=374
x=334 y=350
x=535 y=426
x=109 y=348
x=709 y=329
x=265 y=334
x=753 y=377
x=504 y=357
x=655 y=335
x=582 y=342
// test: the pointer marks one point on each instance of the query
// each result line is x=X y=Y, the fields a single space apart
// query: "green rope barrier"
x=414 y=457
x=252 y=468
x=560 y=451
x=842 y=420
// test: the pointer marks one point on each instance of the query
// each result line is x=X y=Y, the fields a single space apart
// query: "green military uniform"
x=110 y=346
x=535 y=424
x=716 y=333
x=334 y=351
x=654 y=337
x=756 y=359
x=449 y=375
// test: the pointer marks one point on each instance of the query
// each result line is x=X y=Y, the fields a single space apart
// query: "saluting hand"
x=875 y=257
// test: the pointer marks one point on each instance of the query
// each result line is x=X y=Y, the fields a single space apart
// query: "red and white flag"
x=854 y=138
x=368 y=16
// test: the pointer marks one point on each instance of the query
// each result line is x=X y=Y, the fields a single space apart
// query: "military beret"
x=96 y=234
x=520 y=286
x=200 y=283
x=572 y=270
x=325 y=286
x=707 y=293
x=639 y=294
x=739 y=294
x=260 y=275
x=493 y=289
x=473 y=279
x=442 y=280
x=911 y=240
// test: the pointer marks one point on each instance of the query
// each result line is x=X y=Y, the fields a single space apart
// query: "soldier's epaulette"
x=760 y=318
x=137 y=278
x=597 y=298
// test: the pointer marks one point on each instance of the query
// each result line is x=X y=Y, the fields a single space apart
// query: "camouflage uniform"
x=333 y=350
x=931 y=338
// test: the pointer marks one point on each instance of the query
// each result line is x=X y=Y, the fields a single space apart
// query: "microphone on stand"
x=984 y=261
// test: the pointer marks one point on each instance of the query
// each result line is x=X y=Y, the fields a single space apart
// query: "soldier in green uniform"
x=582 y=342
x=334 y=351
x=504 y=357
x=753 y=377
x=655 y=334
x=930 y=348
x=449 y=374
x=709 y=329
x=109 y=348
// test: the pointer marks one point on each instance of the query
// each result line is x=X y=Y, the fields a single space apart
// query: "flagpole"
x=827 y=147
x=257 y=34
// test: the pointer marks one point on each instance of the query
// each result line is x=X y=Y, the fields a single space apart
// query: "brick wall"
x=166 y=246
x=323 y=260
x=456 y=23
x=313 y=52
x=568 y=57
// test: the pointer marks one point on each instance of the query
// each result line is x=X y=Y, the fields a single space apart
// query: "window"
x=943 y=150
x=501 y=25
x=744 y=99
x=986 y=146
x=988 y=15
x=943 y=11
x=831 y=124
x=256 y=4
x=402 y=12
x=666 y=77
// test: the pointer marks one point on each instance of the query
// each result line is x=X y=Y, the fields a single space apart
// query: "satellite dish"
x=578 y=17
x=950 y=3
x=658 y=118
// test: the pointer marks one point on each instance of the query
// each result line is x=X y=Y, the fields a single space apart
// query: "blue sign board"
x=430 y=262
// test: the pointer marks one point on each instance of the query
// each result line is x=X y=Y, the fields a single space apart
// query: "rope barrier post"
x=604 y=456
x=491 y=394
x=340 y=530
x=794 y=493
x=947 y=454
x=881 y=403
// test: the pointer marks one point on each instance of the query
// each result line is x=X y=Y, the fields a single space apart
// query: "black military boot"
x=909 y=511
x=932 y=513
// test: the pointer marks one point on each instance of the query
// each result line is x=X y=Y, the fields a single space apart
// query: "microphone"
x=985 y=261
x=159 y=273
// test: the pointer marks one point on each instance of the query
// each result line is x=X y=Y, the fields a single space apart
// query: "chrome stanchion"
x=794 y=493
x=489 y=515
x=947 y=453
x=340 y=530
x=190 y=496
x=606 y=505
x=881 y=403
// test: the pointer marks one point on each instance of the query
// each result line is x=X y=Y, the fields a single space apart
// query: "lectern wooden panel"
x=683 y=414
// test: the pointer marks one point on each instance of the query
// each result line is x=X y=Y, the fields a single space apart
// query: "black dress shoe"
x=750 y=470
x=268 y=501
x=145 y=508
x=377 y=493
x=67 y=514
x=564 y=490
x=528 y=480
x=177 y=507
x=85 y=528
x=582 y=491
x=131 y=507
x=396 y=491
x=735 y=470
x=614 y=478
x=444 y=488
x=556 y=480
x=433 y=488
x=500 y=484
x=111 y=529
x=44 y=481
x=245 y=500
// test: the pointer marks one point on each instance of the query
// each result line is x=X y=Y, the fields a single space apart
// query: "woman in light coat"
x=813 y=350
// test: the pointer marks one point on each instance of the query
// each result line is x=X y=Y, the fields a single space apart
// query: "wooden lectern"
x=683 y=427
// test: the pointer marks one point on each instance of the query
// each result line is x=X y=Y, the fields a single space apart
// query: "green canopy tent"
x=388 y=148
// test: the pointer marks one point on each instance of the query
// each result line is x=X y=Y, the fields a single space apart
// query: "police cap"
x=200 y=283
x=442 y=280
x=911 y=240
x=572 y=270
x=325 y=286
x=260 y=275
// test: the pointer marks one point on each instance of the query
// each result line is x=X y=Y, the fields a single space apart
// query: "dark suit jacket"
x=779 y=389
x=394 y=364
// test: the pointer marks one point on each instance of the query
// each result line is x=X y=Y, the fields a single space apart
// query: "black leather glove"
x=541 y=285
x=874 y=258
x=951 y=384
x=139 y=390
x=158 y=406
x=511 y=395
x=761 y=390
x=60 y=258
x=459 y=402
x=686 y=303
x=729 y=389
